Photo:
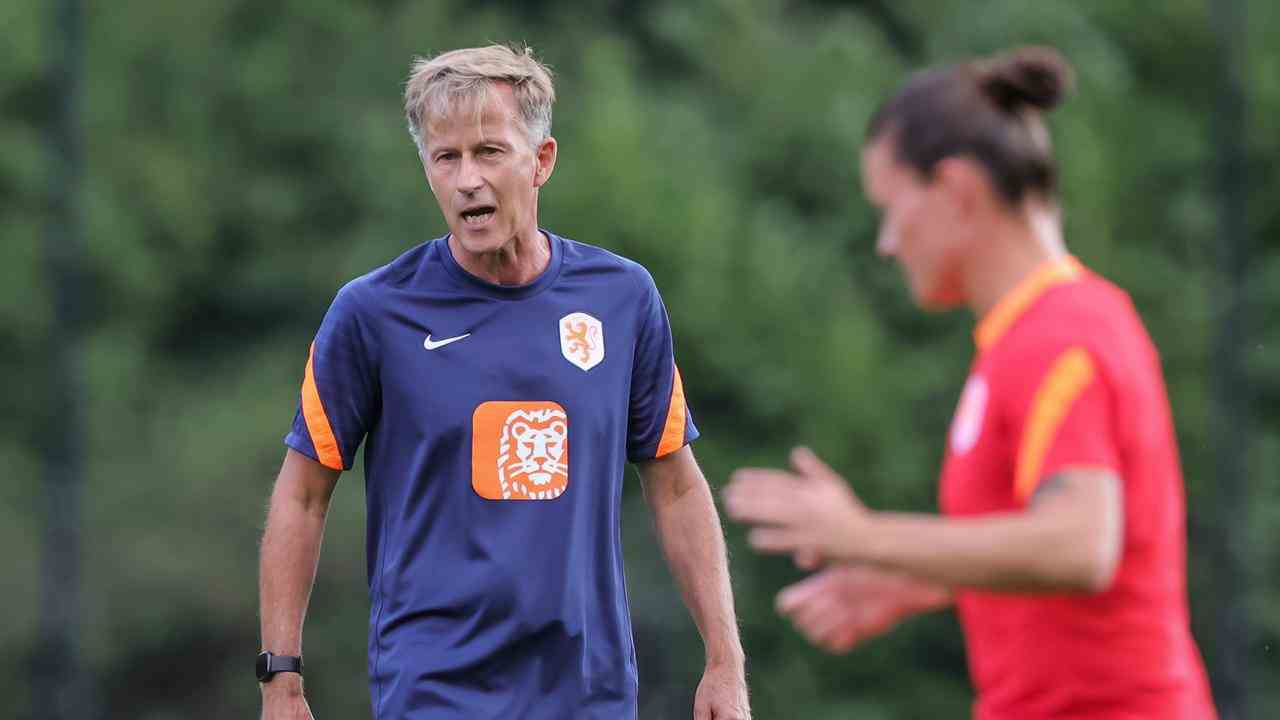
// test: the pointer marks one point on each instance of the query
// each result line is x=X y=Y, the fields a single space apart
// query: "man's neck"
x=519 y=262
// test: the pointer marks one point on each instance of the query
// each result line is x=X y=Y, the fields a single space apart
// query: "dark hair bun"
x=1037 y=77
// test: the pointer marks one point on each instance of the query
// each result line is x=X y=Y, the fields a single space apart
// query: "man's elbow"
x=310 y=497
x=669 y=478
x=305 y=504
x=304 y=487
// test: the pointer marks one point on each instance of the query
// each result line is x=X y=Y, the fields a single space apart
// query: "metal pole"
x=1230 y=406
x=59 y=683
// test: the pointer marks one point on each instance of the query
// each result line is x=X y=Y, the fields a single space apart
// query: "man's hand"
x=722 y=694
x=845 y=604
x=810 y=513
x=282 y=699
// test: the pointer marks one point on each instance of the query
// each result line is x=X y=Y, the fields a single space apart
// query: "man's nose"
x=469 y=178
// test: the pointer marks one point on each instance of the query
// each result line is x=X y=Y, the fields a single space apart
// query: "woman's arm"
x=1069 y=538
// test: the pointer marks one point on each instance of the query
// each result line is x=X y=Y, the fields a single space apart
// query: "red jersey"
x=1066 y=376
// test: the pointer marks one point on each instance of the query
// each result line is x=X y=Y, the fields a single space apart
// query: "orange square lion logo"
x=519 y=450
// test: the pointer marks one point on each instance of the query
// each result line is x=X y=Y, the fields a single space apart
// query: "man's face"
x=483 y=172
x=918 y=226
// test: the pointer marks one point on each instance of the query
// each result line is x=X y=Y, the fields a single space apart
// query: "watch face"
x=263 y=664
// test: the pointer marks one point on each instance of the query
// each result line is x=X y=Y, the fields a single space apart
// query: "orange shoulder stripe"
x=673 y=431
x=1024 y=294
x=317 y=421
x=1067 y=379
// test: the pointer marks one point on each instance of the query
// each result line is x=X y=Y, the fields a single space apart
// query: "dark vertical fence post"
x=60 y=689
x=1230 y=410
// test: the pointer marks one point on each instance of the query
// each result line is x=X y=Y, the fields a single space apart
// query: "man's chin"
x=478 y=241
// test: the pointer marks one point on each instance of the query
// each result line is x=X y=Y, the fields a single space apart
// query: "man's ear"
x=545 y=162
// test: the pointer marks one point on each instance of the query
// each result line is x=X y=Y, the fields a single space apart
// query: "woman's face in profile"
x=918 y=224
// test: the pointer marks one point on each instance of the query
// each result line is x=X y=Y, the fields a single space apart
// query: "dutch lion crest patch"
x=582 y=340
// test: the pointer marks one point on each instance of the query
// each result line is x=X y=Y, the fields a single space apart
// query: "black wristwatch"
x=269 y=665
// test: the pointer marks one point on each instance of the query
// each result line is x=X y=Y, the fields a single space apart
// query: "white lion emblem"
x=582 y=340
x=530 y=455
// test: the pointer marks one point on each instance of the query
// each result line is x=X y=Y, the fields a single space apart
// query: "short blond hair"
x=463 y=77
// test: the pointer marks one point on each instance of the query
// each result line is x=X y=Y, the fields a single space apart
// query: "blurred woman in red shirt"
x=1062 y=542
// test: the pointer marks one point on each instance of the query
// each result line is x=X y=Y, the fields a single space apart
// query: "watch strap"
x=269 y=664
x=284 y=663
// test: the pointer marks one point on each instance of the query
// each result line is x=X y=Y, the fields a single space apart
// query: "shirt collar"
x=1006 y=312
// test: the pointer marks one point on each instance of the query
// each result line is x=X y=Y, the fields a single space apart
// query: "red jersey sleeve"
x=1061 y=415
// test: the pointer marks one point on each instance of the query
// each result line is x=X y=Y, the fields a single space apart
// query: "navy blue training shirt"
x=498 y=422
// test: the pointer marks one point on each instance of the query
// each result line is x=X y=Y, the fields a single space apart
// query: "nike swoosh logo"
x=434 y=344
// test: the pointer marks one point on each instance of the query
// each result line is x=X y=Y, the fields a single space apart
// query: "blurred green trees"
x=245 y=159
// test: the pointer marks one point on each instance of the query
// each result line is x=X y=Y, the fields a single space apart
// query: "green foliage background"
x=245 y=159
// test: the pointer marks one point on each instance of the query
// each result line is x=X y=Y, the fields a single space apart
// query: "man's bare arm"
x=290 y=551
x=693 y=541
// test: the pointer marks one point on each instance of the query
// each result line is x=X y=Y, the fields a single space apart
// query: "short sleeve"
x=339 y=388
x=659 y=421
x=1063 y=417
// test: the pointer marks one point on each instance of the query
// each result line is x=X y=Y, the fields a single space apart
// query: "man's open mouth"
x=477 y=215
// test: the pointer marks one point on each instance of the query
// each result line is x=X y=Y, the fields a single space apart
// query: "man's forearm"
x=693 y=542
x=692 y=539
x=290 y=551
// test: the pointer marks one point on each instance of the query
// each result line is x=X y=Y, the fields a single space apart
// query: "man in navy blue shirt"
x=500 y=377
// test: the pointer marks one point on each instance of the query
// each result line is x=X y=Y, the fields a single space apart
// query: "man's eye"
x=489 y=151
x=442 y=157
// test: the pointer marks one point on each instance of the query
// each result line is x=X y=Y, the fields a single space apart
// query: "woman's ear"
x=967 y=183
